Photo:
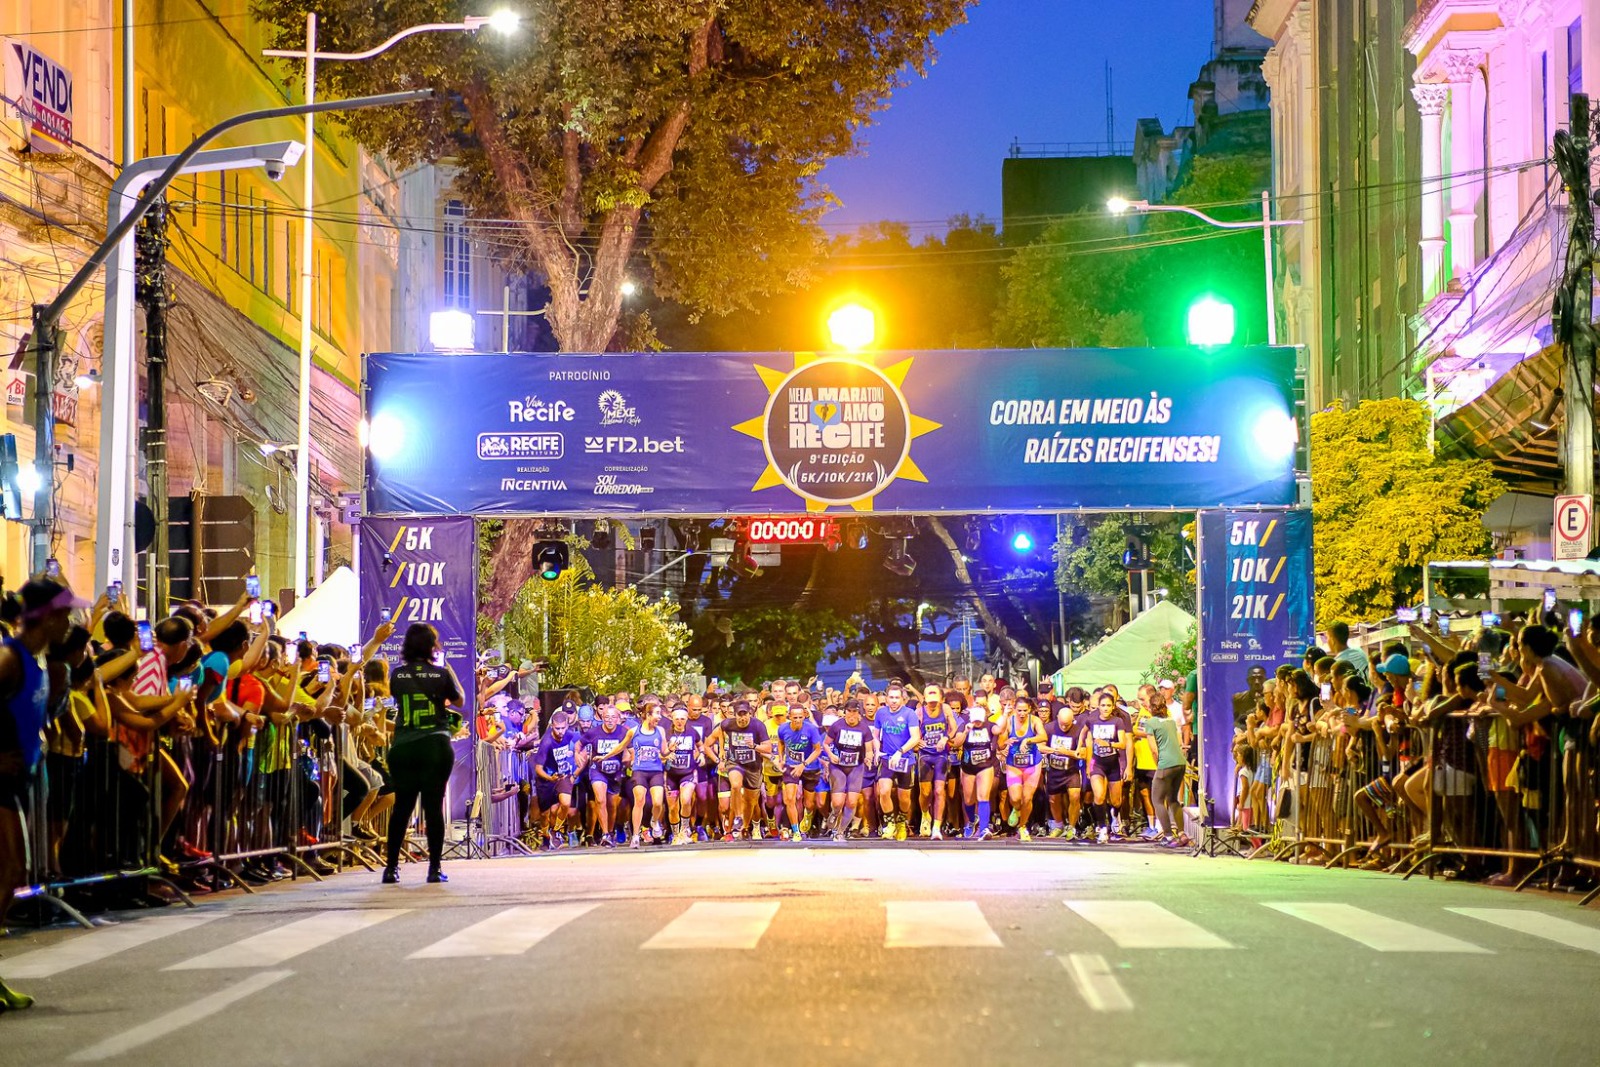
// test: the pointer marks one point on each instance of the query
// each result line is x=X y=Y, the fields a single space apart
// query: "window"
x=457 y=257
x=1575 y=57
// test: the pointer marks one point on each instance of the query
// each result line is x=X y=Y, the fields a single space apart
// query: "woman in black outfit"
x=420 y=756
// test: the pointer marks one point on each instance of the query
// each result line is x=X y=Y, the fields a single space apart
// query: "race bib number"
x=899 y=764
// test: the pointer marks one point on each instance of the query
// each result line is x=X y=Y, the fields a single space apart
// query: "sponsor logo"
x=532 y=409
x=532 y=485
x=1225 y=657
x=625 y=445
x=837 y=431
x=607 y=485
x=615 y=410
x=520 y=445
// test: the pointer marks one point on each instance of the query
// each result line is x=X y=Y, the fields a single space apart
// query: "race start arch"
x=914 y=433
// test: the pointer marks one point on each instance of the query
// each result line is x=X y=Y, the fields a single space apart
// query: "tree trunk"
x=997 y=632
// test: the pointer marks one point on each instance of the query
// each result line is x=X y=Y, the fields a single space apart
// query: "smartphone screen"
x=1489 y=618
x=147 y=636
x=254 y=614
x=252 y=585
x=269 y=609
x=1499 y=692
x=1327 y=691
x=52 y=568
x=386 y=614
x=438 y=657
x=1549 y=600
x=1405 y=614
x=1444 y=624
x=324 y=671
x=1575 y=621
x=1427 y=613
x=302 y=638
x=185 y=684
x=1484 y=666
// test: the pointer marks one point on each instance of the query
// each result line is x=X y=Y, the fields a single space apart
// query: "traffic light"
x=1211 y=322
x=1022 y=541
x=550 y=559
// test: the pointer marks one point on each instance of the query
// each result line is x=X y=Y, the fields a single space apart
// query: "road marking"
x=510 y=933
x=717 y=924
x=173 y=1021
x=94 y=947
x=937 y=924
x=1144 y=924
x=1538 y=924
x=1375 y=931
x=1096 y=984
x=282 y=943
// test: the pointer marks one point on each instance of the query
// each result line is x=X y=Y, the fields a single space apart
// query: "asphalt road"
x=876 y=954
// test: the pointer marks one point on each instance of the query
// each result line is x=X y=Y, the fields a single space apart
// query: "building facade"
x=388 y=250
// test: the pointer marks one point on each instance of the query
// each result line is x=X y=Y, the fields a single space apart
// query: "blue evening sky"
x=1033 y=70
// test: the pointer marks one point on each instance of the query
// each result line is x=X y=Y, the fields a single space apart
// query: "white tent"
x=329 y=613
x=1123 y=658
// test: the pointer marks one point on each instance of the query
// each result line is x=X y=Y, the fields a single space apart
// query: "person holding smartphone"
x=429 y=702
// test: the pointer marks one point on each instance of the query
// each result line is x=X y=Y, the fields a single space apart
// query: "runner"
x=1063 y=782
x=976 y=740
x=899 y=736
x=683 y=774
x=1023 y=737
x=555 y=765
x=738 y=744
x=606 y=743
x=649 y=772
x=847 y=746
x=702 y=721
x=938 y=723
x=800 y=744
x=1108 y=742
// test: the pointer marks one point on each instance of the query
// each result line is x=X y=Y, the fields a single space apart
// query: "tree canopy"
x=1383 y=505
x=692 y=130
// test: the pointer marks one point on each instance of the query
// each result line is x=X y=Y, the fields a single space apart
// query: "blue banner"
x=923 y=432
x=1256 y=612
x=425 y=570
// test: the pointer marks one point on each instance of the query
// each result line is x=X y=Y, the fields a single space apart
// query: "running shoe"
x=608 y=842
x=1056 y=831
x=727 y=835
x=927 y=826
x=1023 y=835
x=838 y=837
x=783 y=833
x=11 y=1000
x=755 y=832
x=937 y=834
x=701 y=834
x=805 y=823
x=635 y=841
x=572 y=839
x=1102 y=836
x=900 y=828
x=966 y=832
x=1070 y=833
x=986 y=835
x=1011 y=820
x=886 y=831
x=1150 y=833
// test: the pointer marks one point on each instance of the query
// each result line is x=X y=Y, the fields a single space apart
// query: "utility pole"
x=1571 y=313
x=45 y=343
x=150 y=290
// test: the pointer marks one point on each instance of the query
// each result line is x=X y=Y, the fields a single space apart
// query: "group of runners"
x=785 y=764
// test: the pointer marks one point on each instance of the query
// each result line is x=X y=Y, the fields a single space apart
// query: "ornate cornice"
x=1430 y=97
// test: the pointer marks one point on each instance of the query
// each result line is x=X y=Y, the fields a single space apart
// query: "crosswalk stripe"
x=99 y=945
x=1375 y=931
x=1144 y=924
x=272 y=947
x=510 y=933
x=1538 y=924
x=177 y=1019
x=937 y=924
x=717 y=924
x=1096 y=984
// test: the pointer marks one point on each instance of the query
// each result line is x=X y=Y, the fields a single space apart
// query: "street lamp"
x=1211 y=322
x=1119 y=205
x=504 y=22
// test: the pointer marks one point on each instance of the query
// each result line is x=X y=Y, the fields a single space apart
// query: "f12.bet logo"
x=626 y=445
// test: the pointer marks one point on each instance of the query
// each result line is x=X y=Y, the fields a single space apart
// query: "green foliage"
x=1175 y=659
x=693 y=129
x=1383 y=505
x=1086 y=282
x=604 y=638
x=762 y=642
x=1094 y=566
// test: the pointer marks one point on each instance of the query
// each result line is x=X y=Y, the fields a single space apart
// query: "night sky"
x=1033 y=70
